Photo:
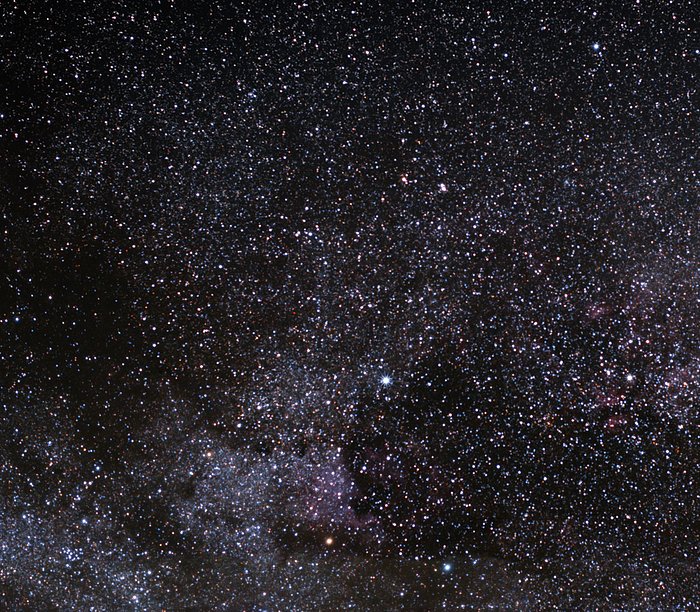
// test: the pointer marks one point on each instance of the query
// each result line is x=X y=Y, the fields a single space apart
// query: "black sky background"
x=319 y=305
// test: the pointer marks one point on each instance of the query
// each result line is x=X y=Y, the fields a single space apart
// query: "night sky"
x=349 y=305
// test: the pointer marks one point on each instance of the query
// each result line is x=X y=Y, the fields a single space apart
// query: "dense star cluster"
x=342 y=305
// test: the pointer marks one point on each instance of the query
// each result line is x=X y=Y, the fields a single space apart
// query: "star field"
x=349 y=305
